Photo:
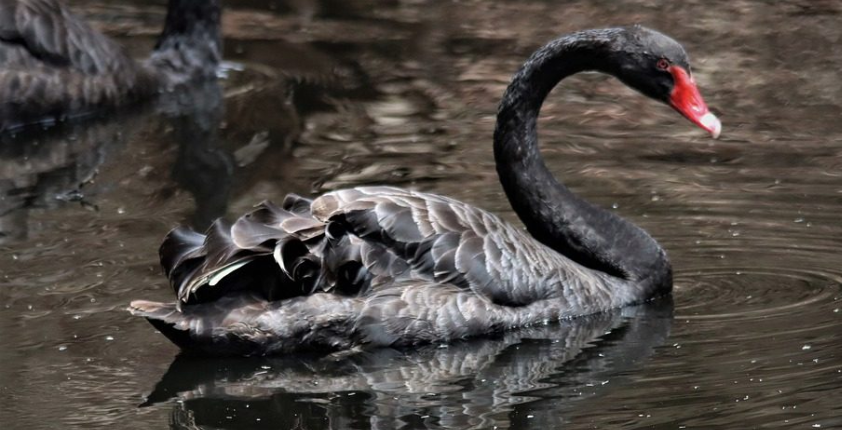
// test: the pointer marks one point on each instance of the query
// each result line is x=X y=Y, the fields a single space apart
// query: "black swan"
x=54 y=66
x=387 y=266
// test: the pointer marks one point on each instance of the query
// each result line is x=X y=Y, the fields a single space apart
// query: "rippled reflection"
x=477 y=384
x=58 y=165
x=202 y=167
x=45 y=170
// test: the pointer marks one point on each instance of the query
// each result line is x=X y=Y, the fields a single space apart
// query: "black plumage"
x=388 y=266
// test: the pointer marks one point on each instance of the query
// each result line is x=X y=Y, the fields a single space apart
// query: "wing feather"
x=371 y=242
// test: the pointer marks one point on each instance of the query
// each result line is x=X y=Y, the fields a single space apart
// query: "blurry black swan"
x=54 y=66
x=387 y=266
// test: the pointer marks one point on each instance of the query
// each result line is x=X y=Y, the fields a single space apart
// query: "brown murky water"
x=321 y=95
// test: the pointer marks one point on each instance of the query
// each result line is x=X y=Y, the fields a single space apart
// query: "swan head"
x=657 y=66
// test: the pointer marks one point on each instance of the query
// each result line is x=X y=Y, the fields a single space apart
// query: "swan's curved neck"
x=190 y=45
x=555 y=216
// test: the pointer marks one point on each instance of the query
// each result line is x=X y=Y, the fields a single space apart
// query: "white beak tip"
x=710 y=122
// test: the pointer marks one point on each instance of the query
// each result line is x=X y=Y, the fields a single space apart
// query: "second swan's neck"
x=591 y=236
x=190 y=46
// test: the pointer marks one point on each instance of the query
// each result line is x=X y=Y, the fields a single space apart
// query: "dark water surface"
x=322 y=95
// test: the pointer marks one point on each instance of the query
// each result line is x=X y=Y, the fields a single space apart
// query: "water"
x=321 y=95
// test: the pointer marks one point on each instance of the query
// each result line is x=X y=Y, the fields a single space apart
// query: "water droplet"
x=806 y=347
x=121 y=210
x=62 y=348
x=656 y=198
x=109 y=338
x=614 y=205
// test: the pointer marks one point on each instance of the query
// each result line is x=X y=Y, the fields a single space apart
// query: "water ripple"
x=748 y=293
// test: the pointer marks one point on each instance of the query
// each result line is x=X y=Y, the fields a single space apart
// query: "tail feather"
x=297 y=205
x=179 y=245
x=166 y=318
x=147 y=309
x=219 y=247
x=206 y=329
x=247 y=233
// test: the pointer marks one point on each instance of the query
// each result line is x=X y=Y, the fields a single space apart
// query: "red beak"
x=685 y=98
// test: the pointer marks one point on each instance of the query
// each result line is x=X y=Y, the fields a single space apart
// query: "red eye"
x=663 y=64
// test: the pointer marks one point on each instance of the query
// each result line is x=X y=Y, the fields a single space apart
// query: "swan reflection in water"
x=224 y=144
x=473 y=384
x=49 y=168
